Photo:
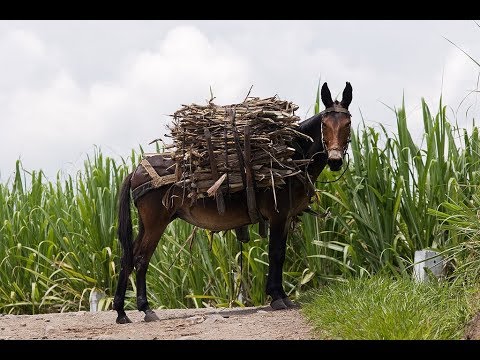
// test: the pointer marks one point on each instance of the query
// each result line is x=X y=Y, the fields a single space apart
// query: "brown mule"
x=330 y=131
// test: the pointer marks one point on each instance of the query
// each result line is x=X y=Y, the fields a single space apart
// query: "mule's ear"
x=326 y=96
x=347 y=96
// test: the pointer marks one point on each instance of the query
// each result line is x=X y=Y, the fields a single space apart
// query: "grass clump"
x=383 y=308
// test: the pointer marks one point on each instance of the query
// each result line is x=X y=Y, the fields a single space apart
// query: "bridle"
x=324 y=151
x=336 y=109
x=345 y=148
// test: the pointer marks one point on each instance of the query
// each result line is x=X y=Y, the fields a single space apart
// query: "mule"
x=330 y=132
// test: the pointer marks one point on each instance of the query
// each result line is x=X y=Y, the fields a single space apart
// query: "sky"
x=69 y=87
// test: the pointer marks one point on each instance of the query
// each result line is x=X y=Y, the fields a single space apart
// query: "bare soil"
x=473 y=329
x=259 y=323
x=254 y=323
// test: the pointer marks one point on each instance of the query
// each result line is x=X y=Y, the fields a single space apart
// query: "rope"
x=241 y=269
x=344 y=171
x=241 y=259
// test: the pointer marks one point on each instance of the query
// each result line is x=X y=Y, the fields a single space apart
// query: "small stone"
x=47 y=320
x=49 y=328
x=214 y=318
x=23 y=324
x=104 y=337
x=195 y=320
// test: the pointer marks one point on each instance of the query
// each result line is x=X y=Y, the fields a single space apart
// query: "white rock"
x=195 y=320
x=214 y=318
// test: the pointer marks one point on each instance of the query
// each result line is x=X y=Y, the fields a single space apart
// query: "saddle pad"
x=154 y=170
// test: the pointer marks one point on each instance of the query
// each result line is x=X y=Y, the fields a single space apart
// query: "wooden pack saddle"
x=156 y=170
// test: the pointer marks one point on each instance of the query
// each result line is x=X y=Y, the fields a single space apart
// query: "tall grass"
x=459 y=215
x=58 y=238
x=461 y=220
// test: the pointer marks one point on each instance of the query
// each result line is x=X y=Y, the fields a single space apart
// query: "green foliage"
x=461 y=220
x=58 y=239
x=384 y=308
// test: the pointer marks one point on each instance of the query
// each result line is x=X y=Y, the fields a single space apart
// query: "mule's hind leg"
x=125 y=238
x=119 y=299
x=155 y=220
x=125 y=271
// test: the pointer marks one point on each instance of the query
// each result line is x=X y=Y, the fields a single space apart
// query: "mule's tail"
x=125 y=232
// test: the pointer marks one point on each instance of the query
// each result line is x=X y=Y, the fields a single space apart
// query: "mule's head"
x=336 y=126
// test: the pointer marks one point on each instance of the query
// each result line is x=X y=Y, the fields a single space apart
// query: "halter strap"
x=335 y=109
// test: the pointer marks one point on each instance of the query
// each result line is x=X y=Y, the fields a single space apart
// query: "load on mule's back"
x=224 y=173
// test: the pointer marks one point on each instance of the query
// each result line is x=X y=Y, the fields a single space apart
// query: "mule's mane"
x=310 y=127
x=306 y=126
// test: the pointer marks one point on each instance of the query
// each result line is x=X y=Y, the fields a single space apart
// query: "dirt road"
x=259 y=323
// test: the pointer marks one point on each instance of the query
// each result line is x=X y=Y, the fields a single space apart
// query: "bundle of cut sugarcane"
x=217 y=146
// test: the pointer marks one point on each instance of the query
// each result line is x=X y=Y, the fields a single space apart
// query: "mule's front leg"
x=276 y=257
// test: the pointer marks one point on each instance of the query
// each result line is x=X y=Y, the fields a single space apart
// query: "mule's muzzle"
x=335 y=160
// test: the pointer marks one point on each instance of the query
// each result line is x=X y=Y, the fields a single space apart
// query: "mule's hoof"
x=289 y=303
x=150 y=316
x=278 y=305
x=123 y=320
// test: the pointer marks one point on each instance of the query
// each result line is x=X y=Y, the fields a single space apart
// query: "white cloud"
x=24 y=60
x=460 y=79
x=26 y=41
x=60 y=119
